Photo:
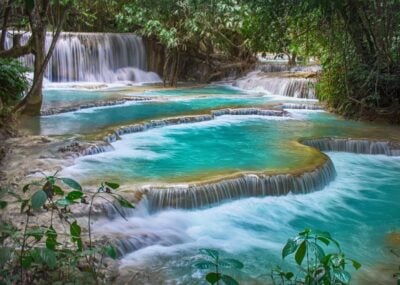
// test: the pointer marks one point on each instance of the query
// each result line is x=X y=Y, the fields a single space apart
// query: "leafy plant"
x=212 y=260
x=316 y=266
x=13 y=82
x=43 y=251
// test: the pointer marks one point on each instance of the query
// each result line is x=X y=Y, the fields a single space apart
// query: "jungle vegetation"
x=357 y=42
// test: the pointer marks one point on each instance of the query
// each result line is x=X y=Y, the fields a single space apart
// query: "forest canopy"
x=357 y=42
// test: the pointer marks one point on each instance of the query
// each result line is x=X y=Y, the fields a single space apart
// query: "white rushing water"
x=95 y=57
x=255 y=229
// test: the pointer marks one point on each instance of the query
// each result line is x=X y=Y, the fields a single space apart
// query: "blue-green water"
x=207 y=90
x=227 y=144
x=59 y=96
x=359 y=208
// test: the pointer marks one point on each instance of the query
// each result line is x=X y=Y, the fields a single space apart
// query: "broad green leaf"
x=72 y=183
x=110 y=251
x=3 y=204
x=51 y=241
x=210 y=252
x=356 y=264
x=5 y=255
x=57 y=190
x=38 y=199
x=112 y=185
x=26 y=261
x=289 y=275
x=318 y=250
x=301 y=253
x=228 y=280
x=231 y=263
x=47 y=256
x=289 y=248
x=64 y=202
x=75 y=230
x=204 y=264
x=213 y=277
x=74 y=195
x=325 y=240
x=342 y=276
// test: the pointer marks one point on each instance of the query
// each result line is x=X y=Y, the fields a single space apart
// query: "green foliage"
x=13 y=82
x=36 y=252
x=211 y=261
x=316 y=266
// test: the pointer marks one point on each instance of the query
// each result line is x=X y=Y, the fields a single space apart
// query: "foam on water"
x=358 y=208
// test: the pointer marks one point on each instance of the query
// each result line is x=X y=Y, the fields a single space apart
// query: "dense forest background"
x=357 y=42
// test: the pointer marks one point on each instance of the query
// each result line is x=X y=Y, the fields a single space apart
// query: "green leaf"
x=3 y=204
x=72 y=183
x=231 y=263
x=51 y=241
x=64 y=202
x=26 y=188
x=342 y=276
x=112 y=185
x=38 y=199
x=110 y=251
x=204 y=264
x=301 y=252
x=324 y=240
x=289 y=275
x=5 y=255
x=210 y=252
x=57 y=190
x=289 y=248
x=213 y=277
x=36 y=232
x=75 y=230
x=228 y=280
x=26 y=261
x=356 y=264
x=124 y=203
x=318 y=250
x=48 y=257
x=74 y=195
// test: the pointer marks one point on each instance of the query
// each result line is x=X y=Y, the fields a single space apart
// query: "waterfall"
x=247 y=185
x=286 y=85
x=295 y=106
x=363 y=146
x=94 y=57
x=189 y=119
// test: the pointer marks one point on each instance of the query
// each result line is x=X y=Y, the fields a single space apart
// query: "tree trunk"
x=32 y=102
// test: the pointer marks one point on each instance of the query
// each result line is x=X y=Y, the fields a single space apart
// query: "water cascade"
x=355 y=146
x=247 y=185
x=189 y=119
x=94 y=57
x=297 y=87
x=295 y=106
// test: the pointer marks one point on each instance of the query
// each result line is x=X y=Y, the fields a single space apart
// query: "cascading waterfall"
x=94 y=57
x=247 y=185
x=295 y=106
x=278 y=85
x=363 y=146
